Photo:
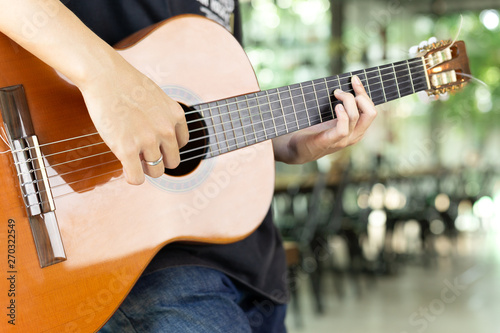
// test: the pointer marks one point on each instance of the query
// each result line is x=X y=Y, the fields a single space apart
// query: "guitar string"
x=5 y=140
x=197 y=148
x=96 y=176
x=218 y=116
x=229 y=113
x=253 y=125
x=116 y=170
x=332 y=79
x=74 y=182
x=244 y=118
x=242 y=128
x=410 y=61
x=106 y=173
x=280 y=100
x=121 y=176
x=68 y=193
x=241 y=119
x=97 y=133
x=335 y=80
x=475 y=79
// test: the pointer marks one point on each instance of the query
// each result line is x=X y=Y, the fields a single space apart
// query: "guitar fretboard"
x=244 y=120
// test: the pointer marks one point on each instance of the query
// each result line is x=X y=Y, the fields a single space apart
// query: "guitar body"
x=111 y=230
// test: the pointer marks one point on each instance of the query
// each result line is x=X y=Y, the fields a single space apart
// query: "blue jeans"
x=194 y=299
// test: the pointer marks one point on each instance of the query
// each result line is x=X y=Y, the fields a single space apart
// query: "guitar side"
x=111 y=230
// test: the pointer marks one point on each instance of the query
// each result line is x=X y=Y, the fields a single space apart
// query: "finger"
x=181 y=127
x=350 y=106
x=339 y=131
x=132 y=168
x=182 y=133
x=358 y=87
x=152 y=156
x=368 y=113
x=171 y=155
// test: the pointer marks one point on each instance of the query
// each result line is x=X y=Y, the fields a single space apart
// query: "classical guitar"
x=75 y=237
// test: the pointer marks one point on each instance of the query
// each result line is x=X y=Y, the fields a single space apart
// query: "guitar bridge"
x=32 y=174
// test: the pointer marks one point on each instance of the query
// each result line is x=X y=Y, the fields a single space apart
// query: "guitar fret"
x=277 y=112
x=260 y=122
x=240 y=118
x=310 y=107
x=324 y=100
x=271 y=111
x=329 y=99
x=395 y=75
x=266 y=115
x=214 y=144
x=403 y=77
x=235 y=122
x=305 y=105
x=317 y=102
x=227 y=127
x=375 y=84
x=332 y=84
x=419 y=78
x=262 y=118
x=382 y=82
x=212 y=139
x=367 y=86
x=219 y=142
x=293 y=106
x=246 y=120
x=251 y=120
x=281 y=108
x=389 y=82
x=289 y=108
x=291 y=116
x=298 y=104
x=361 y=75
x=411 y=76
x=218 y=127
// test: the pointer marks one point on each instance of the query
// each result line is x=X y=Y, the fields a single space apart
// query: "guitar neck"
x=244 y=120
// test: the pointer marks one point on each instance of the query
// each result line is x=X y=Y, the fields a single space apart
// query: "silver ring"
x=155 y=162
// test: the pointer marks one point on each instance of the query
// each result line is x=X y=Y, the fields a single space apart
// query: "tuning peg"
x=413 y=51
x=423 y=47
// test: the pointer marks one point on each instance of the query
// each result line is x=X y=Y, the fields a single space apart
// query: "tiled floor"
x=459 y=295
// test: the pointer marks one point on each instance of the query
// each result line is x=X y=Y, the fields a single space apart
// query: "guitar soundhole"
x=196 y=148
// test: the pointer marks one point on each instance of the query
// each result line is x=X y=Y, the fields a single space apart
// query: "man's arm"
x=353 y=119
x=50 y=31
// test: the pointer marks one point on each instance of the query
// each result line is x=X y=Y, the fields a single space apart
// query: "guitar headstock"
x=445 y=65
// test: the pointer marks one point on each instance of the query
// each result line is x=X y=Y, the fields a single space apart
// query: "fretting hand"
x=353 y=119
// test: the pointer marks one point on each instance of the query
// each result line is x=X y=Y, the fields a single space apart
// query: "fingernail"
x=356 y=80
x=337 y=91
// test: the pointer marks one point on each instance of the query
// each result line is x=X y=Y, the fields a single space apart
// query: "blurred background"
x=400 y=233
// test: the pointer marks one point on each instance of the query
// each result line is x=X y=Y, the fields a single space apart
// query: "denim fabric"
x=194 y=299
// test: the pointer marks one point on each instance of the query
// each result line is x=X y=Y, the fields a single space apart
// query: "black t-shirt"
x=257 y=261
x=115 y=20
